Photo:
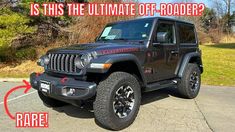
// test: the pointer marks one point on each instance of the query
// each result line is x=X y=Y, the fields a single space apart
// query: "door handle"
x=174 y=52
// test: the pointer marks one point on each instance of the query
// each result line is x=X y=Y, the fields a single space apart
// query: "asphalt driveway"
x=163 y=110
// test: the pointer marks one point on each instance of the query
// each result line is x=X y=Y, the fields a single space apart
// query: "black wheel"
x=191 y=81
x=50 y=102
x=118 y=100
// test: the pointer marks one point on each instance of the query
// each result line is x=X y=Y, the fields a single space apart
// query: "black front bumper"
x=59 y=87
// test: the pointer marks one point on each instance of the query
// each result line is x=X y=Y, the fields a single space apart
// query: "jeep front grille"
x=62 y=63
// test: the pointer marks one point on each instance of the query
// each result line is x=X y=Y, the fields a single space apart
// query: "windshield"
x=131 y=30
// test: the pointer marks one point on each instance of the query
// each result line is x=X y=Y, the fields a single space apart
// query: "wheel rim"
x=194 y=81
x=123 y=102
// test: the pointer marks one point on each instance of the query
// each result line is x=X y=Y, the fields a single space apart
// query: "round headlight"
x=83 y=61
x=44 y=60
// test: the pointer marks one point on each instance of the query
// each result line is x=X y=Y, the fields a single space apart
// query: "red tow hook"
x=63 y=80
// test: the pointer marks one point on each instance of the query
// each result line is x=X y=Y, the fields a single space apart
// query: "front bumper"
x=59 y=87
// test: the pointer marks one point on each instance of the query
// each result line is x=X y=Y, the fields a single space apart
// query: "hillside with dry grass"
x=19 y=60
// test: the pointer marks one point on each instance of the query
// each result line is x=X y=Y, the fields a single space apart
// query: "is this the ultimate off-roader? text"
x=128 y=58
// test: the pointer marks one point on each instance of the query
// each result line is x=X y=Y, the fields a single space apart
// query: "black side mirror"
x=161 y=38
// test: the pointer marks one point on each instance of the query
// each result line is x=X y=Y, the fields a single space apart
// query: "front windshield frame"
x=148 y=24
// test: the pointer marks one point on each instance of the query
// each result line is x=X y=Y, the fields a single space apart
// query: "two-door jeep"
x=128 y=58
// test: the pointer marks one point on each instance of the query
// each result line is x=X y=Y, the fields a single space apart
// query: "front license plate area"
x=45 y=86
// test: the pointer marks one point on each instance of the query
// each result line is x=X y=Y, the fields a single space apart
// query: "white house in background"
x=233 y=22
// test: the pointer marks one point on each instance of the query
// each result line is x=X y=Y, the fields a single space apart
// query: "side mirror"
x=162 y=37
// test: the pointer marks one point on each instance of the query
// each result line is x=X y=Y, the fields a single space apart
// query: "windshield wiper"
x=102 y=39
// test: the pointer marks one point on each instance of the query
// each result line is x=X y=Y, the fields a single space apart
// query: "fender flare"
x=186 y=60
x=115 y=58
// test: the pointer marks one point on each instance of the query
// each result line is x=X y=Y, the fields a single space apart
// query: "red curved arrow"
x=27 y=87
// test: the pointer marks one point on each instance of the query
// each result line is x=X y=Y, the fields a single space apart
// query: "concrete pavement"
x=212 y=110
x=218 y=106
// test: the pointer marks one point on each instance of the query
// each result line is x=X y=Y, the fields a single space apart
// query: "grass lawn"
x=219 y=64
x=218 y=60
x=20 y=71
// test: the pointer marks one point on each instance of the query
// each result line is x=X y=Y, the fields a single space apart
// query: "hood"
x=104 y=48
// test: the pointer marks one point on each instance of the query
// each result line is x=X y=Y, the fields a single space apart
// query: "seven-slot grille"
x=62 y=63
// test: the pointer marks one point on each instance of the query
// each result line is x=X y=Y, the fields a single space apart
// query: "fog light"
x=35 y=83
x=69 y=91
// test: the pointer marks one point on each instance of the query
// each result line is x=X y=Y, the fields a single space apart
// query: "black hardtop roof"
x=161 y=18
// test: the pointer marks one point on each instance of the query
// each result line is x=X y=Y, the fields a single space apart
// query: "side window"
x=167 y=29
x=186 y=33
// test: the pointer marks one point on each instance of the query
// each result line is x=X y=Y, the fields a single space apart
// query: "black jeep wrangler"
x=128 y=58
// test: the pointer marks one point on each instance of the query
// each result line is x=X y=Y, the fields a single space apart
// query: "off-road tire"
x=50 y=102
x=184 y=86
x=103 y=105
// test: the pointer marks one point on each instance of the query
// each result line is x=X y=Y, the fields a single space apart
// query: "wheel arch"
x=120 y=62
x=194 y=57
x=128 y=66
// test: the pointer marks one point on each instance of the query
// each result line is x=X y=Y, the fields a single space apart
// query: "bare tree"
x=228 y=4
x=223 y=10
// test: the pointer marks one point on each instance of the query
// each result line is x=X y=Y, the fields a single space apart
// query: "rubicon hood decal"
x=101 y=48
x=121 y=50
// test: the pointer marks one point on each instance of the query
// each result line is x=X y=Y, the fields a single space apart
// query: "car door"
x=162 y=56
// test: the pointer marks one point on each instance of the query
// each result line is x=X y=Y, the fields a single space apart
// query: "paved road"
x=212 y=110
